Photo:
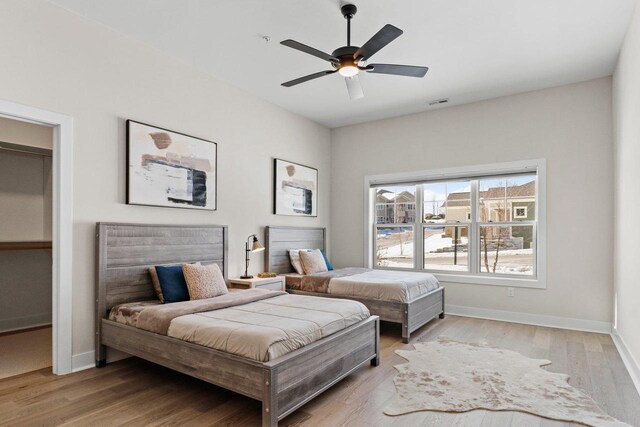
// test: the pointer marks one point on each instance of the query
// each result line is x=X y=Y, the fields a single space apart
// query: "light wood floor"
x=135 y=392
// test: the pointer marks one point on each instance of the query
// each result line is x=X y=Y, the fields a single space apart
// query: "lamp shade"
x=257 y=246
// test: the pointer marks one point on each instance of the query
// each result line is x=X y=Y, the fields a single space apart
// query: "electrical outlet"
x=510 y=292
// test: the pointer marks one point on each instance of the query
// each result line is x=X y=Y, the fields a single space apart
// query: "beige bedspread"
x=157 y=317
x=261 y=330
x=384 y=285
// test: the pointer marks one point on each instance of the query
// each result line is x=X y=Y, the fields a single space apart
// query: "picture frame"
x=166 y=168
x=295 y=189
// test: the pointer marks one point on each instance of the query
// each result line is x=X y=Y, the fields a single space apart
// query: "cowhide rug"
x=452 y=376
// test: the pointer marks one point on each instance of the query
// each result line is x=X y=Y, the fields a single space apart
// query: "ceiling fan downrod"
x=348 y=11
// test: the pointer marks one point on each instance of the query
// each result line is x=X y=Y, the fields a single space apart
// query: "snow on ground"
x=500 y=269
x=432 y=244
x=510 y=261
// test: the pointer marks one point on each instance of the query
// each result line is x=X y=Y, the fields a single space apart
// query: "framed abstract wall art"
x=295 y=189
x=170 y=169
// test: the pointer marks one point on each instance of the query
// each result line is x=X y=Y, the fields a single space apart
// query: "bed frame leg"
x=405 y=325
x=442 y=314
x=405 y=333
x=376 y=360
x=269 y=419
x=101 y=356
x=269 y=399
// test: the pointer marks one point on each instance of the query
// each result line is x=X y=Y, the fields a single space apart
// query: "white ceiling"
x=476 y=49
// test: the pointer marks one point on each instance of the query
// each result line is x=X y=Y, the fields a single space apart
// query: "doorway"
x=61 y=243
x=26 y=152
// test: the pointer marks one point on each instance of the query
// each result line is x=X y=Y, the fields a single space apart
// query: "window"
x=395 y=208
x=445 y=245
x=478 y=228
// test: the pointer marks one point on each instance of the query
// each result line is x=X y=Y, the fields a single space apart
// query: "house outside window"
x=474 y=229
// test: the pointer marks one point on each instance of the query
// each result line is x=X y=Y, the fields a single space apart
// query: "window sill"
x=514 y=282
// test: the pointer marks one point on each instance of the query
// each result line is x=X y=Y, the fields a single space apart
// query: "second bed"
x=409 y=298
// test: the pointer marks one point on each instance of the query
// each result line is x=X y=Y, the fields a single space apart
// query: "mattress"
x=261 y=330
x=383 y=285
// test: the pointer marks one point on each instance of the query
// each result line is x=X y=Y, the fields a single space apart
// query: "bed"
x=410 y=298
x=282 y=379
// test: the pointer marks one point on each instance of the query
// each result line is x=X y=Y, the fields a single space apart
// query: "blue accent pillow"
x=326 y=261
x=174 y=287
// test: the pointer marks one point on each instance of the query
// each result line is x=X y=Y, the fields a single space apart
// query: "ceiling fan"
x=349 y=60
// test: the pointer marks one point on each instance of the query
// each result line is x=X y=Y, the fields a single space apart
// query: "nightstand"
x=272 y=283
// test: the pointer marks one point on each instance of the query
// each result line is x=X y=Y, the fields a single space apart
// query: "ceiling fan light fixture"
x=348 y=70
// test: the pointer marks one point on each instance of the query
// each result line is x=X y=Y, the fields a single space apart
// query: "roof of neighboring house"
x=524 y=190
x=513 y=192
x=458 y=199
x=384 y=196
x=461 y=199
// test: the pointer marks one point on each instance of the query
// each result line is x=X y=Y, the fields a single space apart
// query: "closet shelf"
x=24 y=246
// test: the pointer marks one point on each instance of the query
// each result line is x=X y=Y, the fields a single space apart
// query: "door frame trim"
x=62 y=230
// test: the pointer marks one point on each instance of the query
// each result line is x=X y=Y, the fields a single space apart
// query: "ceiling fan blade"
x=307 y=78
x=354 y=87
x=308 y=49
x=386 y=35
x=398 y=70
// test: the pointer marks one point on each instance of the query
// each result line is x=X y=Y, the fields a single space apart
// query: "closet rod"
x=8 y=146
x=24 y=246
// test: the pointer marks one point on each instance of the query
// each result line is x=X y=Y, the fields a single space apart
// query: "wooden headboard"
x=125 y=252
x=280 y=239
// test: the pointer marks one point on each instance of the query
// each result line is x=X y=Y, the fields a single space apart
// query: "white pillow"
x=294 y=257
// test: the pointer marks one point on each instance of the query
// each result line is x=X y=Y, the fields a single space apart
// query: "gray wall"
x=570 y=126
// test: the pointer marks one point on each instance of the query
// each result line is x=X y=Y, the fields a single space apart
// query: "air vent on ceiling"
x=438 y=101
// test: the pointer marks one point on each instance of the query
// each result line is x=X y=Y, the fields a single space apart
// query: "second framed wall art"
x=295 y=189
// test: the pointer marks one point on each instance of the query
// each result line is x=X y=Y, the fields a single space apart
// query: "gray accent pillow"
x=313 y=262
x=204 y=281
x=156 y=283
x=294 y=257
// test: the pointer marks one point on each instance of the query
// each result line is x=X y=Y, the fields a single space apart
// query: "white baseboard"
x=86 y=360
x=82 y=361
x=530 y=319
x=630 y=362
x=25 y=322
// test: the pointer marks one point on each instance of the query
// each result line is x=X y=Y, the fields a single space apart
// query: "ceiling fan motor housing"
x=345 y=55
x=348 y=10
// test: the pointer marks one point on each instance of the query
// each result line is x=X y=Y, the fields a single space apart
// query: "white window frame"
x=540 y=253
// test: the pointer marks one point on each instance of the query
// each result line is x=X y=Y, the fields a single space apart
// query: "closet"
x=25 y=247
